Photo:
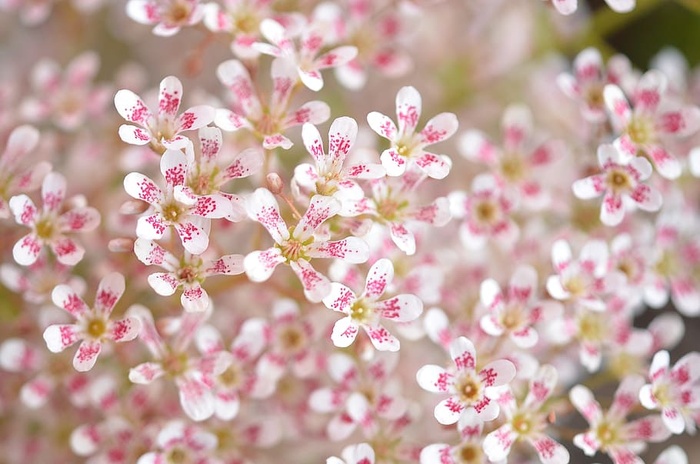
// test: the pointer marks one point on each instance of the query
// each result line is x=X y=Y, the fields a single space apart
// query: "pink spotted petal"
x=35 y=393
x=497 y=373
x=336 y=57
x=474 y=146
x=588 y=442
x=194 y=299
x=169 y=98
x=259 y=265
x=316 y=285
x=491 y=295
x=210 y=141
x=435 y=166
x=312 y=79
x=24 y=210
x=617 y=105
x=435 y=379
x=439 y=128
x=686 y=371
x=340 y=298
x=213 y=206
x=437 y=453
x=146 y=373
x=382 y=339
x=403 y=238
x=53 y=191
x=65 y=297
x=173 y=166
x=646 y=198
x=313 y=143
x=498 y=443
x=81 y=219
x=21 y=141
x=125 y=329
x=150 y=227
x=150 y=253
x=341 y=137
x=447 y=411
x=195 y=118
x=344 y=332
x=685 y=296
x=626 y=397
x=67 y=251
x=163 y=283
x=313 y=112
x=365 y=171
x=320 y=209
x=565 y=7
x=680 y=123
x=626 y=146
x=588 y=65
x=226 y=265
x=517 y=127
x=541 y=387
x=142 y=188
x=229 y=121
x=648 y=429
x=401 y=308
x=132 y=108
x=193 y=237
x=262 y=207
x=549 y=450
x=271 y=142
x=561 y=255
x=59 y=337
x=589 y=187
x=612 y=211
x=666 y=164
x=352 y=250
x=134 y=135
x=86 y=356
x=226 y=404
x=195 y=399
x=235 y=77
x=583 y=400
x=109 y=291
x=463 y=354
x=650 y=88
x=523 y=284
x=408 y=109
x=525 y=337
x=393 y=162
x=382 y=125
x=379 y=278
x=247 y=162
x=673 y=420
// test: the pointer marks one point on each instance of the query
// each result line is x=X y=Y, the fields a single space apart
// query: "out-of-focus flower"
x=354 y=454
x=168 y=16
x=50 y=226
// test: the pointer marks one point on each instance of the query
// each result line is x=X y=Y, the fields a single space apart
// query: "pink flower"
x=653 y=119
x=163 y=130
x=188 y=272
x=674 y=391
x=470 y=446
x=519 y=163
x=468 y=388
x=518 y=310
x=239 y=19
x=366 y=310
x=169 y=16
x=69 y=98
x=567 y=7
x=16 y=176
x=589 y=79
x=329 y=176
x=407 y=147
x=177 y=206
x=173 y=360
x=487 y=211
x=178 y=440
x=609 y=432
x=527 y=422
x=621 y=184
x=50 y=226
x=304 y=55
x=93 y=326
x=267 y=121
x=354 y=454
x=297 y=245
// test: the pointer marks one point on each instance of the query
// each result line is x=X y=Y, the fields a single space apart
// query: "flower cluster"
x=297 y=257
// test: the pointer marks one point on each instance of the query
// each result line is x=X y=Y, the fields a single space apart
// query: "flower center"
x=292 y=339
x=171 y=212
x=618 y=180
x=177 y=456
x=607 y=434
x=230 y=377
x=576 y=285
x=666 y=265
x=470 y=390
x=512 y=318
x=594 y=96
x=175 y=364
x=469 y=453
x=44 y=228
x=486 y=212
x=641 y=130
x=360 y=312
x=592 y=327
x=96 y=328
x=187 y=274
x=512 y=167
x=292 y=250
x=177 y=13
x=522 y=424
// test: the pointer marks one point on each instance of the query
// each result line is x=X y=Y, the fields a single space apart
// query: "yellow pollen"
x=96 y=328
x=360 y=313
x=44 y=228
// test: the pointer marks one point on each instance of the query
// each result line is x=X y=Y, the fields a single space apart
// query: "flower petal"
x=434 y=379
x=58 y=337
x=86 y=356
x=316 y=285
x=344 y=332
x=263 y=208
x=132 y=108
x=109 y=291
x=259 y=265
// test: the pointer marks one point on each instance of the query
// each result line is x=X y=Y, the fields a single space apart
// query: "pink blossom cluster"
x=345 y=231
